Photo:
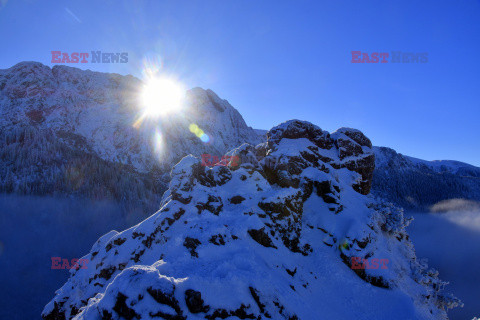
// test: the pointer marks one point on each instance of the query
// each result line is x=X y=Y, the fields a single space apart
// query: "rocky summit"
x=290 y=232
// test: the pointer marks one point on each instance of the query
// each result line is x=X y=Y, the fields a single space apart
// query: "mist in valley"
x=449 y=237
x=50 y=227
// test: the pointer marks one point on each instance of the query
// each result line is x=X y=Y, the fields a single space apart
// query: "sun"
x=162 y=95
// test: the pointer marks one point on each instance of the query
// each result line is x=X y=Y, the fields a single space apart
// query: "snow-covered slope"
x=66 y=130
x=419 y=184
x=271 y=238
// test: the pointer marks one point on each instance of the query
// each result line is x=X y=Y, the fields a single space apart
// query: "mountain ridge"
x=88 y=117
x=59 y=126
x=291 y=218
x=417 y=184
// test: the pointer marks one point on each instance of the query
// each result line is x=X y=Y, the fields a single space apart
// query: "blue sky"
x=278 y=60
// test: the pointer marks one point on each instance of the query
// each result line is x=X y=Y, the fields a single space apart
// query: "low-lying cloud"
x=456 y=205
x=449 y=236
x=462 y=212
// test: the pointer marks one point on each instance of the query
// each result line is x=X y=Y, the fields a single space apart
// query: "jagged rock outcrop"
x=352 y=150
x=277 y=237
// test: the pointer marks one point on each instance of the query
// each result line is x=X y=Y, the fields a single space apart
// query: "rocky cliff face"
x=418 y=184
x=65 y=130
x=278 y=236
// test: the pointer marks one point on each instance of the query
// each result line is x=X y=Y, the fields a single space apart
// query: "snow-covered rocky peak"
x=56 y=118
x=223 y=124
x=346 y=147
x=276 y=234
x=101 y=108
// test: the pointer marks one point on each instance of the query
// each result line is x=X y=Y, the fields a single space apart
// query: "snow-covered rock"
x=275 y=237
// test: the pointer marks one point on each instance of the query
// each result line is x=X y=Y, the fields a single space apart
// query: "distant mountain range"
x=69 y=131
x=419 y=184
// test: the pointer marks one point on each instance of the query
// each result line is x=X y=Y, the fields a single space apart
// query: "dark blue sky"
x=278 y=60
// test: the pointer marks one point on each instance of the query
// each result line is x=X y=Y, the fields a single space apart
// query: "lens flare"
x=344 y=245
x=158 y=143
x=152 y=65
x=199 y=133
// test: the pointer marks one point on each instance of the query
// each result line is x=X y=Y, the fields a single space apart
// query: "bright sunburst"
x=161 y=96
